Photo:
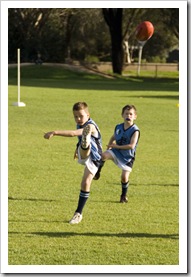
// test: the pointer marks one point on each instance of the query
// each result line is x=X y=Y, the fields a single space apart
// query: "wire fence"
x=144 y=69
x=153 y=69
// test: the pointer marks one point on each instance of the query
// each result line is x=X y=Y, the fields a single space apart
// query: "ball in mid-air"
x=144 y=31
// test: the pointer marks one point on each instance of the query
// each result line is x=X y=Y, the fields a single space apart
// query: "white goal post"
x=19 y=104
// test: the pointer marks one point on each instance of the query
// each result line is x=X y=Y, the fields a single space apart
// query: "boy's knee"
x=125 y=176
x=104 y=156
x=124 y=180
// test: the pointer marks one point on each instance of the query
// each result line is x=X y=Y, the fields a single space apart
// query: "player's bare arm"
x=69 y=133
x=64 y=133
x=111 y=141
x=131 y=145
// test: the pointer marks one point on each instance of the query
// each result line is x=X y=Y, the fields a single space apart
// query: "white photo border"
x=182 y=267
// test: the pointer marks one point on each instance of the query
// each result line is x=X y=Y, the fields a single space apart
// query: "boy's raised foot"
x=86 y=137
x=76 y=218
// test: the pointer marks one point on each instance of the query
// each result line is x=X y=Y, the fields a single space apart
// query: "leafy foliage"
x=61 y=35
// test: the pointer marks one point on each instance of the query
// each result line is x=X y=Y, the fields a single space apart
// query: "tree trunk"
x=113 y=18
x=127 y=57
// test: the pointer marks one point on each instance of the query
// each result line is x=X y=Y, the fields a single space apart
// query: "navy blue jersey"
x=96 y=142
x=123 y=137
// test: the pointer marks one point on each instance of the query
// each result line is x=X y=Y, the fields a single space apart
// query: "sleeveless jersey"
x=123 y=137
x=96 y=142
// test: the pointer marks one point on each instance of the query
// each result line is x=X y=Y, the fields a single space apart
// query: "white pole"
x=18 y=73
x=19 y=104
x=139 y=61
x=141 y=44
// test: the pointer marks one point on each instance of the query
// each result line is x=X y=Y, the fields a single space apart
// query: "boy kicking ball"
x=88 y=151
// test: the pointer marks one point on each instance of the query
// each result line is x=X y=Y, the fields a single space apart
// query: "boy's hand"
x=112 y=145
x=48 y=135
x=75 y=154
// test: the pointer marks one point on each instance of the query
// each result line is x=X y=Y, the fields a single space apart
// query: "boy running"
x=122 y=147
x=88 y=151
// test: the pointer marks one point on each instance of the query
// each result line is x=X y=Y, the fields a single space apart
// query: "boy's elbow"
x=73 y=135
x=131 y=146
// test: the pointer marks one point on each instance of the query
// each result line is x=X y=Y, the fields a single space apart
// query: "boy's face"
x=129 y=115
x=81 y=116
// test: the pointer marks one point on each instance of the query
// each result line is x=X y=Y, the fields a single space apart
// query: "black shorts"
x=130 y=163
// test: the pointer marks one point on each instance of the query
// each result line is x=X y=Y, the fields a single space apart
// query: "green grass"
x=149 y=73
x=44 y=180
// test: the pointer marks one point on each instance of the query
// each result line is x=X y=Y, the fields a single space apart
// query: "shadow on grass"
x=30 y=199
x=52 y=77
x=169 y=97
x=160 y=185
x=122 y=235
x=147 y=185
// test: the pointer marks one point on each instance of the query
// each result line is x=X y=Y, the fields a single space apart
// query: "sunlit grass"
x=44 y=180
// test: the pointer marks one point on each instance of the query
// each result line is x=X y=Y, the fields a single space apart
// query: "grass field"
x=44 y=180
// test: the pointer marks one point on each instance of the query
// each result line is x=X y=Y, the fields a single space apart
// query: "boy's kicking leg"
x=85 y=143
x=87 y=177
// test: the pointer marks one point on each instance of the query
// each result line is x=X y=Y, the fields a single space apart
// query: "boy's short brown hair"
x=129 y=107
x=80 y=106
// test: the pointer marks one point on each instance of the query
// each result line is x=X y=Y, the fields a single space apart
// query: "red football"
x=144 y=31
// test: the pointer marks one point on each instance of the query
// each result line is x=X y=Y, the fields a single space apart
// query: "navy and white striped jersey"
x=123 y=137
x=96 y=142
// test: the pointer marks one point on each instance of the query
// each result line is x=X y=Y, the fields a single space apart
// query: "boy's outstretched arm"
x=63 y=133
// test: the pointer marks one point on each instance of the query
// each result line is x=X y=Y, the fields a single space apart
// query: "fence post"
x=156 y=70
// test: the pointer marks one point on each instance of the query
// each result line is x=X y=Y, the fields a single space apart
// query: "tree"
x=83 y=34
x=86 y=37
x=122 y=24
x=113 y=18
x=170 y=18
x=26 y=29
